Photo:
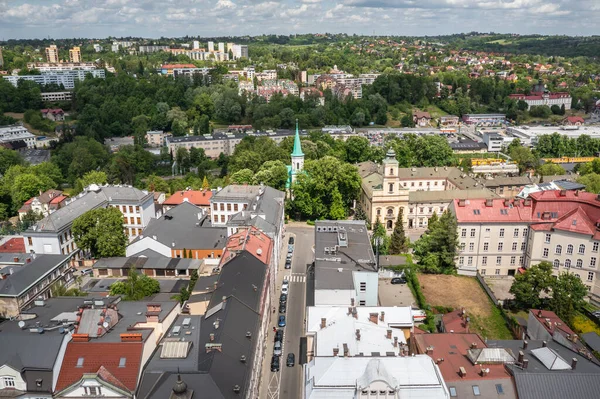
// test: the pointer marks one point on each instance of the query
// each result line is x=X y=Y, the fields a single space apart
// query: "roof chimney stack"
x=521 y=357
x=389 y=334
x=323 y=322
x=336 y=351
x=373 y=317
x=462 y=372
x=540 y=313
x=382 y=316
x=525 y=343
x=544 y=344
x=525 y=363
x=574 y=363
x=211 y=337
x=358 y=334
x=346 y=354
x=474 y=345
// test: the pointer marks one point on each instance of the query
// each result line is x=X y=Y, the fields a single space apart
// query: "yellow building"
x=75 y=54
x=52 y=54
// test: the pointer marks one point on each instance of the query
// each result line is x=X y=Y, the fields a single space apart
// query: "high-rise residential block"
x=75 y=54
x=211 y=46
x=52 y=53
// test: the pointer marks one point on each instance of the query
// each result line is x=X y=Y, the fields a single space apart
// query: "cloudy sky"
x=154 y=18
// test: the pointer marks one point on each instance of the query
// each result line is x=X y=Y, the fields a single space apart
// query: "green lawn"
x=435 y=112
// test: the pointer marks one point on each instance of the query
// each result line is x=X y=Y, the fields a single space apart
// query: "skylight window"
x=504 y=211
x=80 y=362
x=476 y=212
x=574 y=222
x=122 y=362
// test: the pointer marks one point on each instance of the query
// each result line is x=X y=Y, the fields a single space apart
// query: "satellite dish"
x=105 y=325
x=21 y=324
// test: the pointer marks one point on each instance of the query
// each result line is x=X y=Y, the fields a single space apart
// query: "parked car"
x=290 y=249
x=282 y=307
x=399 y=280
x=284 y=288
x=275 y=363
x=285 y=280
x=86 y=271
x=277 y=348
x=291 y=241
x=282 y=298
x=289 y=256
x=288 y=264
x=291 y=360
x=281 y=322
x=279 y=335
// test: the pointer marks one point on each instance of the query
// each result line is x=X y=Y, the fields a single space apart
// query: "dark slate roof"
x=159 y=385
x=569 y=185
x=538 y=382
x=25 y=276
x=592 y=339
x=142 y=262
x=242 y=277
x=179 y=226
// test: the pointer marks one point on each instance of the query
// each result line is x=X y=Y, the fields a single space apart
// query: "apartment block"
x=52 y=53
x=75 y=54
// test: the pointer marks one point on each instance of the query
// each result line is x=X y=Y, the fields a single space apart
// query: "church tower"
x=297 y=155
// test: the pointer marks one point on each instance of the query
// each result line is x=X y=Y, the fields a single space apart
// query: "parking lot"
x=394 y=294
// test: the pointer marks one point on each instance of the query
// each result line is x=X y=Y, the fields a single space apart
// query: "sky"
x=28 y=19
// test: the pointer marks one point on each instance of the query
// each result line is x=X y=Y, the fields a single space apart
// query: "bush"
x=310 y=222
x=443 y=309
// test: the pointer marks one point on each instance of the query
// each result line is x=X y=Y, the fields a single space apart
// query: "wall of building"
x=368 y=296
x=7 y=371
x=334 y=297
x=147 y=243
x=197 y=253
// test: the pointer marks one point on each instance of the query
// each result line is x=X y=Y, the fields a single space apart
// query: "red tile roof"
x=551 y=321
x=574 y=119
x=196 y=197
x=252 y=240
x=59 y=199
x=454 y=322
x=453 y=349
x=14 y=245
x=101 y=354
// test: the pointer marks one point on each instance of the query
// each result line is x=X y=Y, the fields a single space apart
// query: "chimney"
x=215 y=285
x=462 y=372
x=575 y=338
x=352 y=302
x=506 y=202
x=525 y=343
x=389 y=334
x=28 y=260
x=224 y=299
x=349 y=310
x=563 y=193
x=489 y=202
x=395 y=342
x=346 y=354
x=461 y=203
x=521 y=357
x=373 y=317
x=429 y=350
x=577 y=193
x=358 y=334
x=525 y=363
x=16 y=259
x=354 y=313
x=474 y=345
x=336 y=351
x=539 y=313
x=211 y=337
x=382 y=316
x=323 y=322
x=574 y=363
x=544 y=344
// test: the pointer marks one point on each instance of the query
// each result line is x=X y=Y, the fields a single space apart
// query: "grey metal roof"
x=592 y=339
x=141 y=262
x=334 y=270
x=159 y=385
x=449 y=195
x=569 y=185
x=25 y=276
x=178 y=228
x=34 y=156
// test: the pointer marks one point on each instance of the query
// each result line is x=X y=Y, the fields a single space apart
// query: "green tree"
x=58 y=289
x=136 y=287
x=380 y=234
x=337 y=211
x=243 y=176
x=93 y=177
x=273 y=174
x=591 y=182
x=407 y=121
x=529 y=285
x=436 y=249
x=27 y=185
x=357 y=149
x=9 y=158
x=100 y=231
x=522 y=156
x=398 y=239
x=205 y=185
x=567 y=297
x=156 y=183
x=551 y=169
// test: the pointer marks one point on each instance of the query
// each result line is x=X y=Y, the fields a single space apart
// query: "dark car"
x=288 y=264
x=291 y=360
x=399 y=280
x=282 y=298
x=275 y=363
x=282 y=307
x=291 y=241
x=281 y=322
x=279 y=335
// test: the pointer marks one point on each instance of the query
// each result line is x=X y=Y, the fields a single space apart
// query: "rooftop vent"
x=236 y=389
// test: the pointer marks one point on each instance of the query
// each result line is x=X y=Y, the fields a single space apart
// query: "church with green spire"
x=297 y=160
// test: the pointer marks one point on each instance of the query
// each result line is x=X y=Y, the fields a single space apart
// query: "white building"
x=345 y=265
x=494 y=142
x=211 y=47
x=221 y=47
x=14 y=133
x=52 y=234
x=373 y=378
x=98 y=48
x=57 y=96
x=67 y=78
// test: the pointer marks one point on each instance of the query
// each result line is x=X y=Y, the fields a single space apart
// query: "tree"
x=273 y=174
x=243 y=176
x=568 y=293
x=398 y=240
x=407 y=121
x=205 y=185
x=380 y=234
x=540 y=111
x=9 y=158
x=100 y=231
x=528 y=286
x=136 y=287
x=522 y=105
x=521 y=155
x=156 y=183
x=591 y=182
x=551 y=169
x=93 y=177
x=357 y=149
x=337 y=211
x=58 y=289
x=436 y=249
x=27 y=185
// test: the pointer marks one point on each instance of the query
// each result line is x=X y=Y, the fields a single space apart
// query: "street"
x=287 y=383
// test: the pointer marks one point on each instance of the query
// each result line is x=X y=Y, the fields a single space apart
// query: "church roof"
x=297 y=152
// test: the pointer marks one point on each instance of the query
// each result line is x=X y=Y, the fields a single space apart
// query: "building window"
x=472 y=232
x=362 y=303
x=463 y=233
x=391 y=187
x=593 y=262
x=215 y=207
x=486 y=245
x=595 y=247
x=581 y=249
x=482 y=272
x=9 y=382
x=139 y=221
x=514 y=246
x=471 y=246
x=411 y=211
x=569 y=249
x=229 y=207
x=500 y=246
x=29 y=241
x=513 y=260
x=501 y=233
x=516 y=233
x=568 y=263
x=363 y=287
x=548 y=236
x=470 y=261
x=130 y=208
x=545 y=252
x=498 y=260
x=590 y=276
x=521 y=260
x=222 y=206
x=499 y=389
x=412 y=184
x=235 y=207
x=484 y=260
x=556 y=263
x=430 y=210
x=579 y=263
x=558 y=250
x=222 y=218
x=462 y=246
x=497 y=272
x=420 y=184
x=421 y=210
x=461 y=260
x=525 y=232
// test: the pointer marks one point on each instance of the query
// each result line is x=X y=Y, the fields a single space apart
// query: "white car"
x=284 y=288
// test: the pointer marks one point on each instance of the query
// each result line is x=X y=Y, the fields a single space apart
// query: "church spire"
x=297 y=152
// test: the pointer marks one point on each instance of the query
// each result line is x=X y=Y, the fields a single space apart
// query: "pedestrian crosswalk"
x=296 y=278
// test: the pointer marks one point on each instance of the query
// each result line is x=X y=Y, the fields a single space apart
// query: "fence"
x=487 y=290
x=514 y=326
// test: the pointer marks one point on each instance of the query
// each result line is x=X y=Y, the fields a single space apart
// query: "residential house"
x=421 y=118
x=55 y=115
x=345 y=265
x=469 y=368
x=573 y=121
x=545 y=325
x=501 y=235
x=52 y=234
x=32 y=282
x=156 y=138
x=111 y=343
x=44 y=204
x=200 y=198
x=550 y=370
x=182 y=232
